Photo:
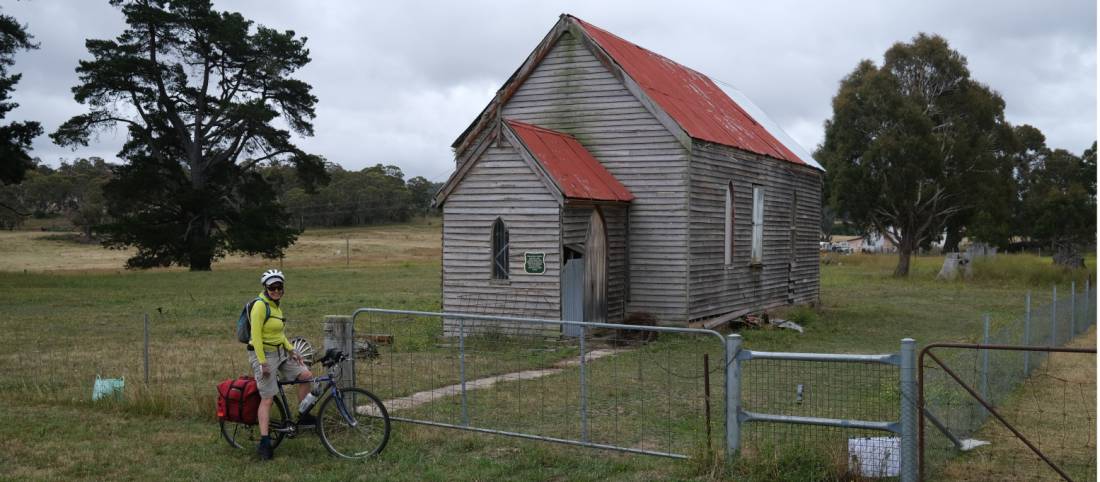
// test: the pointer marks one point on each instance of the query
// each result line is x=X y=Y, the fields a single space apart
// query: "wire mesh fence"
x=1031 y=387
x=842 y=413
x=639 y=389
x=177 y=378
x=642 y=390
x=847 y=391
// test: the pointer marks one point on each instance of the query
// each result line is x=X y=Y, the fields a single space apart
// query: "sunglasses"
x=275 y=288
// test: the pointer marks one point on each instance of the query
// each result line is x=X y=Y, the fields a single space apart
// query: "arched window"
x=500 y=250
x=729 y=224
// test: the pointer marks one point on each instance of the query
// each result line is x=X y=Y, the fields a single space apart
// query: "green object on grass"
x=105 y=387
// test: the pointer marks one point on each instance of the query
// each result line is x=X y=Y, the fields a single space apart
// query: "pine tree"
x=199 y=92
x=15 y=137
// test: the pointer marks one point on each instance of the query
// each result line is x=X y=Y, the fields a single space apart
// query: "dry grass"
x=34 y=251
x=1055 y=410
x=1012 y=269
x=418 y=241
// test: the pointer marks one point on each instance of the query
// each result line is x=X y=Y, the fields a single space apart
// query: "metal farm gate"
x=637 y=389
x=834 y=402
x=979 y=393
x=602 y=385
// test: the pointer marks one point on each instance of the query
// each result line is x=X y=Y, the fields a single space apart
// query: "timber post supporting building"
x=604 y=180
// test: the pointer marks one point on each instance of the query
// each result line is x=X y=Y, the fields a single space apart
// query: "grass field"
x=71 y=312
x=57 y=252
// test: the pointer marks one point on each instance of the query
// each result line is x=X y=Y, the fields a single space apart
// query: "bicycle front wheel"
x=355 y=427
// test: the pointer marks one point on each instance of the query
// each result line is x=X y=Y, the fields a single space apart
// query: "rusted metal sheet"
x=574 y=170
x=692 y=99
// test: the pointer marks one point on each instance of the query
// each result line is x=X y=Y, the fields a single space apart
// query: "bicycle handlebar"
x=332 y=357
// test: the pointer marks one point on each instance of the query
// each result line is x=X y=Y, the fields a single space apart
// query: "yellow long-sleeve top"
x=267 y=332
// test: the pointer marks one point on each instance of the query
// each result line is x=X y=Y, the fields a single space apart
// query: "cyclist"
x=271 y=355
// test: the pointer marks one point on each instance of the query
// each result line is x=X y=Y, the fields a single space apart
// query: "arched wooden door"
x=595 y=269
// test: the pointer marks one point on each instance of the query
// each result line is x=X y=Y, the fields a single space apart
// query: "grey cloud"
x=398 y=81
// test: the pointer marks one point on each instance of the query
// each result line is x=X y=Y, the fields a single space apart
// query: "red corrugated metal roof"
x=575 y=171
x=694 y=101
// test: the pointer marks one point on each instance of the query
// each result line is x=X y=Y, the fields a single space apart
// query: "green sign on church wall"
x=534 y=263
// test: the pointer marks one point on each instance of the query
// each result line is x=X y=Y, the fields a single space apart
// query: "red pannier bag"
x=238 y=400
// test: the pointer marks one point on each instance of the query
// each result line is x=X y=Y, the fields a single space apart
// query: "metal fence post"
x=1088 y=307
x=909 y=463
x=462 y=369
x=146 y=355
x=1072 y=308
x=1027 y=333
x=985 y=357
x=733 y=397
x=706 y=396
x=584 y=390
x=1054 y=316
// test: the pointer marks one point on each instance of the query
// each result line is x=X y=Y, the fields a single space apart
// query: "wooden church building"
x=604 y=180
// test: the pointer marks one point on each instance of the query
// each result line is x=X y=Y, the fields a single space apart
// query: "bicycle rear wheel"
x=356 y=427
x=241 y=435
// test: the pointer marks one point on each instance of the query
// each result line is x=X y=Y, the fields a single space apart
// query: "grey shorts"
x=280 y=364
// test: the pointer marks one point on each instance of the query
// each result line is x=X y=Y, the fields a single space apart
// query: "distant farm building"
x=868 y=243
x=605 y=180
x=850 y=244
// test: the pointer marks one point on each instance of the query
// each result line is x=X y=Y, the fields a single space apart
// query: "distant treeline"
x=373 y=195
x=74 y=190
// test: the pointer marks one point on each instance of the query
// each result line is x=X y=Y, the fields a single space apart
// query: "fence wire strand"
x=644 y=391
x=1050 y=395
x=847 y=390
x=638 y=389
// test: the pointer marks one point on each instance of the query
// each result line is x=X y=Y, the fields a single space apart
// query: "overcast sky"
x=398 y=81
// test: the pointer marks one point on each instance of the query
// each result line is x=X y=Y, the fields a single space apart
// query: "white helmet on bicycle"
x=272 y=276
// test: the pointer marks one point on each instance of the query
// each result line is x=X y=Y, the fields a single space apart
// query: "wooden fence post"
x=340 y=334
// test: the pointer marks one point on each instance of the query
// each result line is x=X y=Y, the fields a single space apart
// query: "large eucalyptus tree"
x=915 y=144
x=1060 y=204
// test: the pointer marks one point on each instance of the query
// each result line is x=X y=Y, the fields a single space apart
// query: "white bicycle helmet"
x=271 y=276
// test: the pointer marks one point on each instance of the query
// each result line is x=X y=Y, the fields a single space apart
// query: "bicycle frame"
x=331 y=387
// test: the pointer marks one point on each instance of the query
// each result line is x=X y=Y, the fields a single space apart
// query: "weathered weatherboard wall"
x=500 y=184
x=573 y=92
x=788 y=273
